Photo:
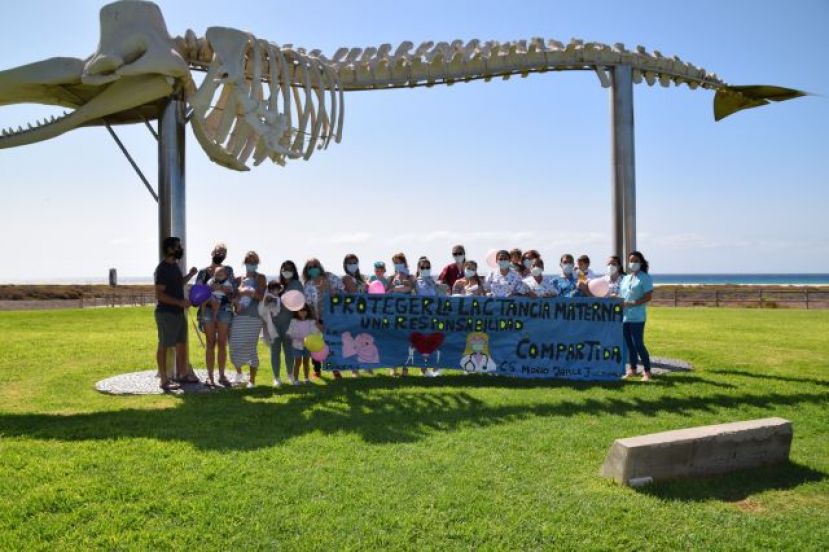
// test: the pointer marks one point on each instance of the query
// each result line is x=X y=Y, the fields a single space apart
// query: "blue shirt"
x=567 y=286
x=633 y=288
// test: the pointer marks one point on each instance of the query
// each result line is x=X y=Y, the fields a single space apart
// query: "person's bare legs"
x=210 y=331
x=161 y=361
x=306 y=367
x=297 y=364
x=223 y=332
x=253 y=374
x=182 y=365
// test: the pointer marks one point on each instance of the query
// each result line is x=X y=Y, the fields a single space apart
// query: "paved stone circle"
x=662 y=365
x=145 y=382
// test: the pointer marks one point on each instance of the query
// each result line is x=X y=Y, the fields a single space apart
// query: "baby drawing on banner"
x=362 y=346
x=476 y=356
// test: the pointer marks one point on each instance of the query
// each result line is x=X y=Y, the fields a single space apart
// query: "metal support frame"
x=624 y=162
x=132 y=161
x=171 y=189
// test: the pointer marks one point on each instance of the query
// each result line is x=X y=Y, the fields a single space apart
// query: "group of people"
x=245 y=306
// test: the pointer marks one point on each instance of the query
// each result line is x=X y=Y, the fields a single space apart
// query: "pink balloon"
x=599 y=287
x=321 y=355
x=492 y=258
x=293 y=300
x=377 y=287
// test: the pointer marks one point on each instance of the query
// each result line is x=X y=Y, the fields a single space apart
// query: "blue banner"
x=578 y=338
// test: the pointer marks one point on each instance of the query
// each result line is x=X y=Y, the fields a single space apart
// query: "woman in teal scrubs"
x=636 y=290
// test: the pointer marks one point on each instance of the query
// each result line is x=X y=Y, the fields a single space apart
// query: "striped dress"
x=244 y=333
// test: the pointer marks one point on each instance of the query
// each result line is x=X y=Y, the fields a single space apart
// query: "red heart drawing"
x=426 y=344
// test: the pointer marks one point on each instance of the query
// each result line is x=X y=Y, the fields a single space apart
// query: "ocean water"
x=658 y=279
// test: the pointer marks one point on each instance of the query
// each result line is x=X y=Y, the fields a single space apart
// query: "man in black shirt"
x=169 y=311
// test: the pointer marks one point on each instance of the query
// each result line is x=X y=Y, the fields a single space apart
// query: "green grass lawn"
x=458 y=462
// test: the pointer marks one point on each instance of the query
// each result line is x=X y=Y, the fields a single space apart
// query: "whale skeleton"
x=259 y=100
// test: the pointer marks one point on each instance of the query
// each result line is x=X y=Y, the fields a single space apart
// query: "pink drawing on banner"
x=361 y=345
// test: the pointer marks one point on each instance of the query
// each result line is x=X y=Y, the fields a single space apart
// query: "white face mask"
x=469 y=273
x=425 y=272
x=612 y=270
x=567 y=268
x=352 y=267
x=634 y=267
x=478 y=347
x=460 y=258
x=537 y=271
x=287 y=274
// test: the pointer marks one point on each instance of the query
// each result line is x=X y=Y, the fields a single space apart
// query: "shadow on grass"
x=737 y=486
x=787 y=379
x=417 y=407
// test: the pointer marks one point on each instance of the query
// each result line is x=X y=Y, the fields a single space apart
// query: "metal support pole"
x=624 y=162
x=171 y=196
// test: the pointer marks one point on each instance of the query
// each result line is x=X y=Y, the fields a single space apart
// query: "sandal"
x=189 y=378
x=170 y=386
x=224 y=381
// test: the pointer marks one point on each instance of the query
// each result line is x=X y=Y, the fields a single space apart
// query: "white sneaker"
x=238 y=379
x=277 y=383
x=250 y=385
x=436 y=373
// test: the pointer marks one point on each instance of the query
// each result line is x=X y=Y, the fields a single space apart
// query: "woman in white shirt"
x=615 y=273
x=538 y=283
x=504 y=282
x=471 y=283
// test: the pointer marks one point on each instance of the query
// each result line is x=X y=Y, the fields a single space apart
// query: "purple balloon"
x=199 y=293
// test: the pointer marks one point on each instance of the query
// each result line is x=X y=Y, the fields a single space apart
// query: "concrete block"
x=699 y=451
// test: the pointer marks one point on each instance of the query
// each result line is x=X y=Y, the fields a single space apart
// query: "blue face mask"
x=469 y=273
x=425 y=272
x=352 y=267
x=313 y=272
x=400 y=267
x=251 y=267
x=503 y=265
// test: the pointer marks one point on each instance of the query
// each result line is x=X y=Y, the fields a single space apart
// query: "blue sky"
x=523 y=163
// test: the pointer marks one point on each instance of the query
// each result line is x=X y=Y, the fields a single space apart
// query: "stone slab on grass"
x=698 y=451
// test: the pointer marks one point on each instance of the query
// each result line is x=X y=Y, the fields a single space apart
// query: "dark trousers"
x=634 y=333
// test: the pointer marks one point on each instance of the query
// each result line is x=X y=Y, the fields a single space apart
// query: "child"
x=219 y=298
x=583 y=272
x=380 y=273
x=302 y=325
x=245 y=300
